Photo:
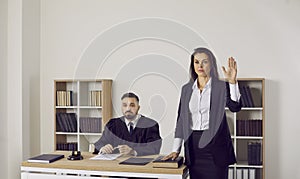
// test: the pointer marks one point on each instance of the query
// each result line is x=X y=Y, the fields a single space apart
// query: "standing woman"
x=201 y=121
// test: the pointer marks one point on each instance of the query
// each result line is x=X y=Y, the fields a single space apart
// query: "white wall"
x=19 y=76
x=3 y=88
x=13 y=96
x=31 y=77
x=262 y=35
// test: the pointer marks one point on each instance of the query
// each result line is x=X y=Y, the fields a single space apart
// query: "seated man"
x=131 y=134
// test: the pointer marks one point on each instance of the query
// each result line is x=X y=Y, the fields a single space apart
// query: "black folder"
x=136 y=161
x=45 y=158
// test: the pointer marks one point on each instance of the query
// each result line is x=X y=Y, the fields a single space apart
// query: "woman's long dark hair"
x=213 y=63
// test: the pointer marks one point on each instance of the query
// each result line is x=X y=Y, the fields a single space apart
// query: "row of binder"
x=254 y=153
x=64 y=98
x=245 y=173
x=72 y=146
x=90 y=124
x=246 y=96
x=96 y=98
x=249 y=127
x=67 y=122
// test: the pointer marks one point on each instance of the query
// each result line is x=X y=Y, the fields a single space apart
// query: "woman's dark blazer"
x=217 y=138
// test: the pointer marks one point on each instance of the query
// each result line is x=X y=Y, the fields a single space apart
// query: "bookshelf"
x=81 y=110
x=247 y=131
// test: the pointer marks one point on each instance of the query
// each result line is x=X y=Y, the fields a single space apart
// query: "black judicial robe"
x=145 y=139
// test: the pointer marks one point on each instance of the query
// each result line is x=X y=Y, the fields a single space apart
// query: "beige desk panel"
x=100 y=165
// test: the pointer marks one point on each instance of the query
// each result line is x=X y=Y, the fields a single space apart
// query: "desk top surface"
x=104 y=165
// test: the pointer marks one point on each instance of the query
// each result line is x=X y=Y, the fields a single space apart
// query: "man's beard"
x=130 y=115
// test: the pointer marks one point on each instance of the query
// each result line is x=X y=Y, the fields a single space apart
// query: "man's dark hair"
x=130 y=95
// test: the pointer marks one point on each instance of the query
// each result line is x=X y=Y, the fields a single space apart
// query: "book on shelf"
x=70 y=146
x=45 y=158
x=66 y=122
x=255 y=173
x=246 y=96
x=64 y=98
x=254 y=153
x=249 y=96
x=158 y=163
x=90 y=124
x=239 y=173
x=243 y=98
x=230 y=173
x=69 y=98
x=249 y=127
x=71 y=118
x=95 y=98
x=251 y=173
x=245 y=173
x=59 y=124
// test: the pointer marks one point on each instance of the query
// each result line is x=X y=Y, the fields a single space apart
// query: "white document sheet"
x=105 y=157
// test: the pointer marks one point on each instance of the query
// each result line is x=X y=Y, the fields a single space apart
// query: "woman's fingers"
x=172 y=156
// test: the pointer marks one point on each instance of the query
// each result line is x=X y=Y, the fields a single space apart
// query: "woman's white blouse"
x=199 y=106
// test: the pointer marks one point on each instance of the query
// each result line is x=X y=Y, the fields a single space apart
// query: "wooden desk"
x=91 y=169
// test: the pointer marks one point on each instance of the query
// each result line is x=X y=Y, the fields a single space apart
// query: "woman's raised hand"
x=231 y=72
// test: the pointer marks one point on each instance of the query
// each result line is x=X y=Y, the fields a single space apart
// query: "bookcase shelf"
x=66 y=133
x=244 y=164
x=66 y=107
x=91 y=134
x=247 y=131
x=82 y=108
x=248 y=137
x=90 y=107
x=251 y=109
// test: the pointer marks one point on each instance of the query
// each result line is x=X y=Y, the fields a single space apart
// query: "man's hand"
x=172 y=156
x=126 y=150
x=107 y=149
